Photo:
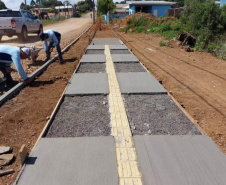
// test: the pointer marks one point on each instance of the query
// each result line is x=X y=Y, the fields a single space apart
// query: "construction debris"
x=5 y=159
x=23 y=154
x=187 y=39
x=6 y=172
x=4 y=149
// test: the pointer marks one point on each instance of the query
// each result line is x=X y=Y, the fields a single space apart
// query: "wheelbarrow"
x=34 y=52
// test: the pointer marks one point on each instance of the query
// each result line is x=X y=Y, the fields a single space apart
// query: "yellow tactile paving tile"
x=124 y=142
x=128 y=171
x=130 y=181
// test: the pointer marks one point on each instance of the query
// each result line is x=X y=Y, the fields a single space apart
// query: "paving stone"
x=124 y=58
x=96 y=47
x=93 y=58
x=118 y=47
x=141 y=82
x=70 y=161
x=105 y=41
x=157 y=115
x=177 y=160
x=88 y=83
x=4 y=149
x=5 y=159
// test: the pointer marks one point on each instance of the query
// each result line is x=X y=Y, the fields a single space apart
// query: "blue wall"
x=132 y=10
x=223 y=2
x=162 y=10
x=114 y=16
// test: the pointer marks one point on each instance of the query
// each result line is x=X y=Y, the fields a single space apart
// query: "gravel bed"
x=82 y=116
x=92 y=68
x=157 y=115
x=95 y=51
x=128 y=67
x=120 y=51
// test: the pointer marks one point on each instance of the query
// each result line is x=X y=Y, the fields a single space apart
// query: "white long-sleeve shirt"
x=9 y=54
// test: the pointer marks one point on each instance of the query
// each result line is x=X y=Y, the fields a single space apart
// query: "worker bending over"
x=51 y=39
x=9 y=54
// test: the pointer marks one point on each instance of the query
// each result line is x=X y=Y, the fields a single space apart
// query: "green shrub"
x=163 y=43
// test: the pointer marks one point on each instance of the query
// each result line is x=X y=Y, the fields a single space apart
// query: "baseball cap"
x=27 y=51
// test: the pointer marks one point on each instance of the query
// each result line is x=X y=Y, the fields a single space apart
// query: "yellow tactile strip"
x=128 y=169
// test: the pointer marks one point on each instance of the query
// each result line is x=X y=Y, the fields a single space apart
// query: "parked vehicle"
x=18 y=22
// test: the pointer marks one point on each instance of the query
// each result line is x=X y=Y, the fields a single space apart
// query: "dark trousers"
x=5 y=73
x=58 y=36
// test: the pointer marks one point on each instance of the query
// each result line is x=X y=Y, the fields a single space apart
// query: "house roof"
x=150 y=3
x=63 y=7
x=121 y=6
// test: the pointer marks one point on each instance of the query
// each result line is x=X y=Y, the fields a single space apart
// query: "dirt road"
x=69 y=28
x=197 y=80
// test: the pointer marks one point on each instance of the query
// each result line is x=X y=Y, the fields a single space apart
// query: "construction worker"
x=9 y=54
x=51 y=39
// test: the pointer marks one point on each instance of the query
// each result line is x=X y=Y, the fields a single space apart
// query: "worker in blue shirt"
x=51 y=39
x=9 y=54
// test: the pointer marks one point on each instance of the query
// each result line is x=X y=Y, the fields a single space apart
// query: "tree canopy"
x=2 y=5
x=105 y=5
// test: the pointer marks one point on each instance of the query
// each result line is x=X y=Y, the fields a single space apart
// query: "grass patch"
x=53 y=21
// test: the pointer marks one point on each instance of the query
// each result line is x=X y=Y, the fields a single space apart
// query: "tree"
x=2 y=5
x=83 y=6
x=32 y=3
x=105 y=6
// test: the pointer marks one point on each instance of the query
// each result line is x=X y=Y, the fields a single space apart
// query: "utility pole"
x=93 y=12
x=25 y=4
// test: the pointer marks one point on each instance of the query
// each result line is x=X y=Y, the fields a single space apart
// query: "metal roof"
x=120 y=6
x=150 y=3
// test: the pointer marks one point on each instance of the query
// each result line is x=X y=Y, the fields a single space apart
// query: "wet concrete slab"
x=125 y=67
x=105 y=41
x=177 y=160
x=93 y=58
x=157 y=115
x=124 y=58
x=88 y=83
x=118 y=47
x=70 y=161
x=141 y=82
x=81 y=116
x=96 y=47
x=92 y=68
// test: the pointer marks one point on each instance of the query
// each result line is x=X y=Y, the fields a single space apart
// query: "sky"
x=15 y=4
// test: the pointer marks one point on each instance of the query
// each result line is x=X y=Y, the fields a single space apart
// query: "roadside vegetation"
x=53 y=21
x=203 y=19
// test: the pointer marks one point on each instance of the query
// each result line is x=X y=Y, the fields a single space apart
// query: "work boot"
x=11 y=83
x=46 y=59
x=61 y=61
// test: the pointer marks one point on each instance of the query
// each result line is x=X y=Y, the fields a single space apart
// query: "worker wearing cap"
x=51 y=39
x=9 y=54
